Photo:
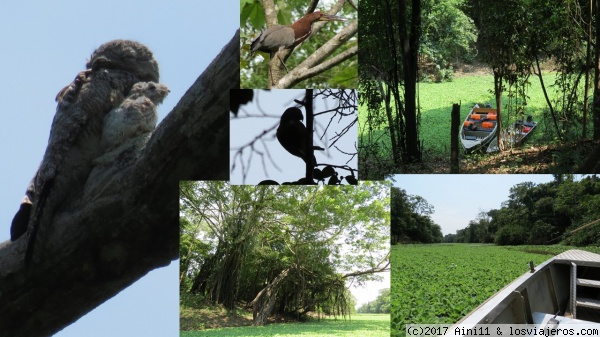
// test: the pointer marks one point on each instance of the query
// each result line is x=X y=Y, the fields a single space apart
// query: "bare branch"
x=382 y=266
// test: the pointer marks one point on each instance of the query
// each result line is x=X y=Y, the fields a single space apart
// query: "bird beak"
x=328 y=17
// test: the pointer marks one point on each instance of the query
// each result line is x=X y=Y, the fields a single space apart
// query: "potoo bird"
x=127 y=129
x=76 y=132
x=135 y=116
x=291 y=134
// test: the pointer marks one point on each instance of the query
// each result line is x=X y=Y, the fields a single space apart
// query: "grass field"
x=359 y=326
x=436 y=101
x=442 y=283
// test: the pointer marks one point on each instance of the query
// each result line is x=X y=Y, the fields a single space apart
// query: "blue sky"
x=457 y=199
x=43 y=46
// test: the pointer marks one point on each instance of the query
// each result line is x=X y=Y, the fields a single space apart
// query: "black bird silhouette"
x=291 y=134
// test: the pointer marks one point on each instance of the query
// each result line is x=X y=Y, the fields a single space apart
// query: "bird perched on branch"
x=76 y=131
x=277 y=37
x=291 y=134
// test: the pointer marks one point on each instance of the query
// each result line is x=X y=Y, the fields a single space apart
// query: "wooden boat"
x=478 y=128
x=564 y=289
x=515 y=135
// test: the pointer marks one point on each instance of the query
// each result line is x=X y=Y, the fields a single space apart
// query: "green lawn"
x=442 y=283
x=359 y=326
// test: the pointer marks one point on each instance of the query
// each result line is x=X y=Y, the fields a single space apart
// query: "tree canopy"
x=410 y=219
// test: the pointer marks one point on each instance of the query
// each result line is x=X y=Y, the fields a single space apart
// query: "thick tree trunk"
x=386 y=93
x=392 y=84
x=263 y=303
x=132 y=227
x=240 y=226
x=592 y=162
x=224 y=289
x=410 y=49
x=412 y=133
x=201 y=279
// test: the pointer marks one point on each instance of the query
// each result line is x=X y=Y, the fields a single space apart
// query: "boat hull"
x=478 y=129
x=546 y=291
x=514 y=136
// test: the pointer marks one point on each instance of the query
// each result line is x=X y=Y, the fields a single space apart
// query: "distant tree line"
x=410 y=219
x=381 y=305
x=561 y=211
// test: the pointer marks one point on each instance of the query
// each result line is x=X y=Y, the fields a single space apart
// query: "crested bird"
x=291 y=134
x=277 y=38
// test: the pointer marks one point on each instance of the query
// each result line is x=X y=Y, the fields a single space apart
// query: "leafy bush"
x=449 y=35
x=510 y=235
x=541 y=232
x=190 y=300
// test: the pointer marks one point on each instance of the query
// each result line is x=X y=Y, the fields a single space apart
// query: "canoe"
x=564 y=289
x=478 y=129
x=515 y=135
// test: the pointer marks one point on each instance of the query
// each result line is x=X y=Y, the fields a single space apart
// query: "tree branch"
x=378 y=269
x=297 y=75
x=106 y=242
x=311 y=66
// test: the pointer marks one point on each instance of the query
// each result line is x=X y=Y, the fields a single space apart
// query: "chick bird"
x=291 y=134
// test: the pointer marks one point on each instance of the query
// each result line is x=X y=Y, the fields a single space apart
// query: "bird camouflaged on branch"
x=75 y=137
x=277 y=38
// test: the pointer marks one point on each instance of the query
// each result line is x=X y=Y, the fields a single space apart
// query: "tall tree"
x=502 y=45
x=410 y=33
x=596 y=104
x=410 y=219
